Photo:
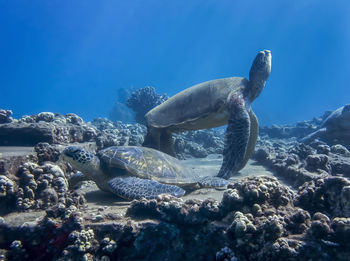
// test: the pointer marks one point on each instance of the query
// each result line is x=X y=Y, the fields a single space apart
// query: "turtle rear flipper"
x=212 y=182
x=237 y=137
x=136 y=188
x=152 y=138
x=166 y=143
x=253 y=137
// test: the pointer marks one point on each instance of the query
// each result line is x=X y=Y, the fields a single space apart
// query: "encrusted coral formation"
x=36 y=186
x=5 y=116
x=143 y=100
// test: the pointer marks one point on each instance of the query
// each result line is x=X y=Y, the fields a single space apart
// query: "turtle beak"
x=268 y=57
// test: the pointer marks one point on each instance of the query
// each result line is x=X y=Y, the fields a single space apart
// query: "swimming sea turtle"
x=212 y=104
x=134 y=172
x=335 y=128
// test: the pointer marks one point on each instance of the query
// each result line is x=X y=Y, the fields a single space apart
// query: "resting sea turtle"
x=335 y=128
x=133 y=172
x=212 y=104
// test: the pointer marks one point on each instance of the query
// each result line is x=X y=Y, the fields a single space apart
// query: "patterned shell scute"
x=147 y=163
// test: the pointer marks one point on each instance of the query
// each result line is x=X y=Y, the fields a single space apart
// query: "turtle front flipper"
x=77 y=178
x=237 y=137
x=135 y=188
x=212 y=182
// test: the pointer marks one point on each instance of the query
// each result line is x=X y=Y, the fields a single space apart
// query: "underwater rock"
x=118 y=134
x=143 y=100
x=36 y=186
x=196 y=150
x=171 y=209
x=46 y=152
x=340 y=165
x=6 y=186
x=225 y=254
x=45 y=127
x=341 y=228
x=340 y=149
x=318 y=163
x=329 y=195
x=5 y=116
x=299 y=163
x=256 y=220
x=45 y=116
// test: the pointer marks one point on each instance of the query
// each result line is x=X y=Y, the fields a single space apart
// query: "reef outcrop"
x=45 y=127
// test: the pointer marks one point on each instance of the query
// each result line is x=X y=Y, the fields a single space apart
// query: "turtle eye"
x=72 y=151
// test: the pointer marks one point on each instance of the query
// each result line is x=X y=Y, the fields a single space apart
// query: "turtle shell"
x=201 y=106
x=147 y=163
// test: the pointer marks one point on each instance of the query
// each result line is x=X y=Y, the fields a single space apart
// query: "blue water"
x=72 y=56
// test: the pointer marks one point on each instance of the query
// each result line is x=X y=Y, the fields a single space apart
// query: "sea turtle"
x=133 y=172
x=212 y=104
x=335 y=128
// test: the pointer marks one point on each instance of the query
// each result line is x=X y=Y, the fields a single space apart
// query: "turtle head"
x=346 y=110
x=81 y=159
x=259 y=72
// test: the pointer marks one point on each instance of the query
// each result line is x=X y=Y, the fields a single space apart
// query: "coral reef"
x=258 y=218
x=301 y=163
x=143 y=100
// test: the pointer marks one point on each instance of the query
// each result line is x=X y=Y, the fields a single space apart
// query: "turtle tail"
x=159 y=139
x=213 y=182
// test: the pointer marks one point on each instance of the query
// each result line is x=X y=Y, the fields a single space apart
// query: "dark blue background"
x=72 y=56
